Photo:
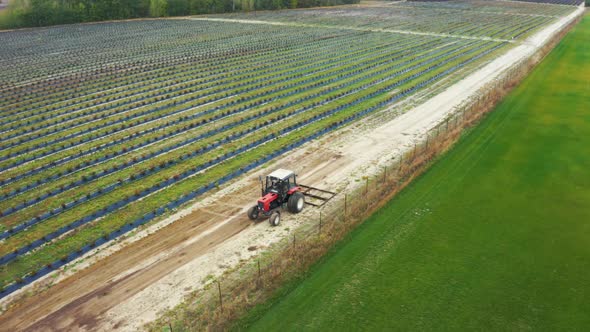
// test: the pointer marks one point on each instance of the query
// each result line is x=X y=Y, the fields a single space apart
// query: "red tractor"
x=280 y=190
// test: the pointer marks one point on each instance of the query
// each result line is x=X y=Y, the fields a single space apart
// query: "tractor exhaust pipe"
x=261 y=185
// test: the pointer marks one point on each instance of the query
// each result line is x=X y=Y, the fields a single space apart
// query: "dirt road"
x=129 y=287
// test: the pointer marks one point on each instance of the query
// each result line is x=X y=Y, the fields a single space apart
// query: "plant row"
x=177 y=109
x=281 y=69
x=346 y=102
x=269 y=110
x=190 y=126
x=220 y=92
x=226 y=65
x=62 y=252
x=105 y=55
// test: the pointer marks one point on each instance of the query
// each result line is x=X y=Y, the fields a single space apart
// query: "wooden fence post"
x=259 y=272
x=345 y=207
x=220 y=298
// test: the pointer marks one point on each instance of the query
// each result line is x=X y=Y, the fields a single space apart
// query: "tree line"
x=34 y=13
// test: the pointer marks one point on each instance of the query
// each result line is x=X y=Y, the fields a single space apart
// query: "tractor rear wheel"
x=253 y=213
x=275 y=219
x=296 y=202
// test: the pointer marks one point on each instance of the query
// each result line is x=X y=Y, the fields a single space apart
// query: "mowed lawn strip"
x=495 y=236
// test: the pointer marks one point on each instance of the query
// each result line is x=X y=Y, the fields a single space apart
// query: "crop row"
x=291 y=42
x=149 y=82
x=319 y=100
x=226 y=71
x=227 y=125
x=484 y=6
x=556 y=2
x=205 y=89
x=214 y=82
x=230 y=169
x=120 y=129
x=235 y=110
x=492 y=29
x=192 y=106
x=477 y=19
x=128 y=117
x=225 y=66
x=104 y=54
x=376 y=88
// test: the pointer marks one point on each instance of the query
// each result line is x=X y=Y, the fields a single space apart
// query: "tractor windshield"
x=272 y=184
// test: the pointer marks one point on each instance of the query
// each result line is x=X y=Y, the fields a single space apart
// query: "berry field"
x=106 y=127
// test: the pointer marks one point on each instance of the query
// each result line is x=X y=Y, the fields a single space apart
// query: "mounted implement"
x=281 y=190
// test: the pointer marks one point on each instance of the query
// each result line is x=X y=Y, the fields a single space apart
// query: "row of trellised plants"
x=486 y=25
x=474 y=19
x=247 y=112
x=103 y=47
x=165 y=109
x=168 y=109
x=146 y=84
x=202 y=121
x=36 y=250
x=58 y=210
x=361 y=87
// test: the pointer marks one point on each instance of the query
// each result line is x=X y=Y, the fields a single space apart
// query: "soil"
x=137 y=278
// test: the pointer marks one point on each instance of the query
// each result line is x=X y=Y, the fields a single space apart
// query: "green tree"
x=158 y=8
x=178 y=7
x=27 y=13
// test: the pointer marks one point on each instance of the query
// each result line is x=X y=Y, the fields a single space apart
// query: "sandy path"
x=129 y=287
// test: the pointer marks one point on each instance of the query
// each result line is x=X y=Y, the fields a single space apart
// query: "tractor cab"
x=280 y=182
x=279 y=189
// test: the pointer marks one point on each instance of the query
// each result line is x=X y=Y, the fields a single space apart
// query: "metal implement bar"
x=323 y=199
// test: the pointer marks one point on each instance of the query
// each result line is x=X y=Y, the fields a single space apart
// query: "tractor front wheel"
x=296 y=202
x=275 y=219
x=253 y=213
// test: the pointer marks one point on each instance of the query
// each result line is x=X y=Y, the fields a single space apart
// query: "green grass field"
x=495 y=236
